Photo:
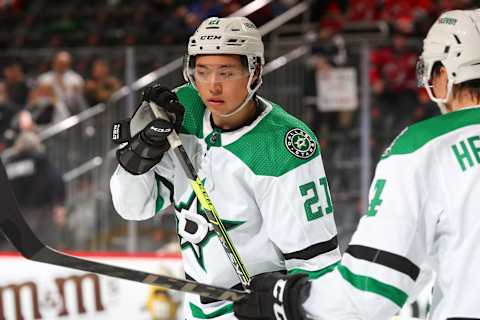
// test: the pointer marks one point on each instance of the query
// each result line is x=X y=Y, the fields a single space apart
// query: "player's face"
x=221 y=81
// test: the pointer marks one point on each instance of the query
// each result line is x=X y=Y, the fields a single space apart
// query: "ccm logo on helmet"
x=210 y=37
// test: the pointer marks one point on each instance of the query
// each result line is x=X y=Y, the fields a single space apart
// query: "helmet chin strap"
x=442 y=106
x=238 y=109
x=441 y=102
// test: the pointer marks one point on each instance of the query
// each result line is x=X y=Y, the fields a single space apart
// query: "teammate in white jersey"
x=424 y=207
x=261 y=167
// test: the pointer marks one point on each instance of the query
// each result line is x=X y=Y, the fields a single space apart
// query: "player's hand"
x=167 y=101
x=145 y=133
x=274 y=296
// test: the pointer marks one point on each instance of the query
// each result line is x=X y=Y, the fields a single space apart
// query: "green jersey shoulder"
x=424 y=132
x=277 y=144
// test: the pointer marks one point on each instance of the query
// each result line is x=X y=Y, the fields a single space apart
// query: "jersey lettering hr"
x=423 y=213
x=268 y=184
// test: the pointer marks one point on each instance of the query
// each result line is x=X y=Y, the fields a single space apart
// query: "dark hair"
x=436 y=68
x=470 y=86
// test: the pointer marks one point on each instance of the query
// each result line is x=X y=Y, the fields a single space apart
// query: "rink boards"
x=32 y=290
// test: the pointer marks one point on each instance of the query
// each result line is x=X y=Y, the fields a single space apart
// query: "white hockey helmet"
x=454 y=41
x=233 y=35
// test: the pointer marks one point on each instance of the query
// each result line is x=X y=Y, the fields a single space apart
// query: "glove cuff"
x=121 y=131
x=134 y=163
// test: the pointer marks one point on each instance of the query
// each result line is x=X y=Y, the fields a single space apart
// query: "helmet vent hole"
x=218 y=47
x=458 y=54
x=235 y=29
x=454 y=74
x=201 y=48
x=447 y=48
x=457 y=39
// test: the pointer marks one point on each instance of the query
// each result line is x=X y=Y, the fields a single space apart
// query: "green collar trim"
x=418 y=135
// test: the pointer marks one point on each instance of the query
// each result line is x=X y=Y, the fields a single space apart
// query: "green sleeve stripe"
x=315 y=274
x=368 y=284
x=198 y=313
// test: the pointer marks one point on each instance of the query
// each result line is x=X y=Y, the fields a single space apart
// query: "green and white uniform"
x=423 y=213
x=268 y=184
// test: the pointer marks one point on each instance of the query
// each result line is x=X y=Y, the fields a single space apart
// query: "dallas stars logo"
x=197 y=231
x=300 y=144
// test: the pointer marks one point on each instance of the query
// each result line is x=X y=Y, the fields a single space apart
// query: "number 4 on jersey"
x=376 y=200
x=312 y=205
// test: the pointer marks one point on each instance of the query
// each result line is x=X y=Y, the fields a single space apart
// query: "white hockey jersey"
x=268 y=185
x=424 y=212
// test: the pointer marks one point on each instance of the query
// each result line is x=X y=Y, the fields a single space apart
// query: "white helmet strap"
x=441 y=102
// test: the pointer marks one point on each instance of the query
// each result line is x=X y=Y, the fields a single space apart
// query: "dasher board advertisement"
x=32 y=290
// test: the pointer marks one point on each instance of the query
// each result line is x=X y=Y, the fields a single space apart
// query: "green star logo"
x=300 y=144
x=197 y=248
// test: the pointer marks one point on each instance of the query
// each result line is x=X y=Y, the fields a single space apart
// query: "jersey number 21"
x=314 y=206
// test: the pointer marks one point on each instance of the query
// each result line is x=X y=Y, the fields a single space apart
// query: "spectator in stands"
x=38 y=187
x=7 y=111
x=328 y=55
x=82 y=213
x=363 y=10
x=392 y=78
x=45 y=107
x=66 y=83
x=21 y=122
x=173 y=27
x=230 y=7
x=16 y=85
x=102 y=85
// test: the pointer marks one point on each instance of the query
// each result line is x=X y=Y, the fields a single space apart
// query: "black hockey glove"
x=274 y=296
x=167 y=101
x=145 y=134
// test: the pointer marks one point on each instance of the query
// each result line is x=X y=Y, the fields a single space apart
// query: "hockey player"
x=424 y=206
x=261 y=167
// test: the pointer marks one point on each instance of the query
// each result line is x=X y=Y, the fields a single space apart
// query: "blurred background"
x=71 y=68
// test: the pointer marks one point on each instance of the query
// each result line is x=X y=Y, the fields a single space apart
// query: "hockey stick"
x=202 y=195
x=26 y=242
